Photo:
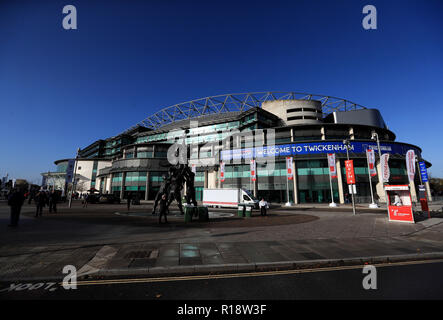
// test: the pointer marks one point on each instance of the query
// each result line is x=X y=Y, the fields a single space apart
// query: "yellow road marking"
x=245 y=274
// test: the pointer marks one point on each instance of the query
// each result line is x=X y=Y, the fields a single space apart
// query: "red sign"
x=399 y=203
x=403 y=213
x=253 y=173
x=350 y=175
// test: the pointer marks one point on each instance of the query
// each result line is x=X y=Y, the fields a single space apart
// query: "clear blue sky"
x=60 y=90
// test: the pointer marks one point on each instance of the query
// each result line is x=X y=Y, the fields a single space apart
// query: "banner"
x=289 y=168
x=410 y=164
x=222 y=171
x=253 y=170
x=384 y=162
x=350 y=175
x=423 y=171
x=193 y=168
x=371 y=162
x=295 y=149
x=70 y=171
x=332 y=165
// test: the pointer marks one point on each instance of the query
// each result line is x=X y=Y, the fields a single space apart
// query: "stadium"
x=232 y=129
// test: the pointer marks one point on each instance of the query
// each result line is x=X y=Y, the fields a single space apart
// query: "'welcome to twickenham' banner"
x=311 y=148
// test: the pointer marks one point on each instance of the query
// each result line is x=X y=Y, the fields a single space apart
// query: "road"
x=408 y=280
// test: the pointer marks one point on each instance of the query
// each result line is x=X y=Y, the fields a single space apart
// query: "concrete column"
x=295 y=181
x=98 y=183
x=205 y=181
x=212 y=180
x=413 y=191
x=341 y=194
x=351 y=133
x=428 y=190
x=108 y=184
x=217 y=179
x=147 y=185
x=122 y=191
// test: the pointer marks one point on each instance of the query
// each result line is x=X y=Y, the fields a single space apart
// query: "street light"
x=73 y=179
x=347 y=143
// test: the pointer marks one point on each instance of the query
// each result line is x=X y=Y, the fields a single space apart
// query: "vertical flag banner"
x=410 y=164
x=332 y=165
x=350 y=175
x=222 y=171
x=289 y=168
x=193 y=168
x=423 y=171
x=371 y=162
x=253 y=170
x=384 y=162
x=70 y=171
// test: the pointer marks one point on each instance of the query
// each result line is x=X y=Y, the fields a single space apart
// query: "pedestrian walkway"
x=154 y=259
x=100 y=243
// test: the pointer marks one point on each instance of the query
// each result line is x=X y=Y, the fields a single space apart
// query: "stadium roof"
x=237 y=102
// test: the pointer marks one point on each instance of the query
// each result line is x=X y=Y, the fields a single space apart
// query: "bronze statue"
x=172 y=186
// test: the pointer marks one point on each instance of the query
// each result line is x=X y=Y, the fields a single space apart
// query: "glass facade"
x=312 y=176
x=313 y=181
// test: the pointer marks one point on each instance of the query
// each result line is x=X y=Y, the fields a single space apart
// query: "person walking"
x=129 y=197
x=163 y=209
x=15 y=201
x=53 y=198
x=263 y=206
x=85 y=201
x=40 y=202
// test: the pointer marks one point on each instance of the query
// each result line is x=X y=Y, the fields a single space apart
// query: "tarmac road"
x=408 y=280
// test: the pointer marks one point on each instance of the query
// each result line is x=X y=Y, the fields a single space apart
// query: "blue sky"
x=60 y=89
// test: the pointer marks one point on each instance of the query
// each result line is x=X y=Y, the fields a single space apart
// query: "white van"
x=228 y=198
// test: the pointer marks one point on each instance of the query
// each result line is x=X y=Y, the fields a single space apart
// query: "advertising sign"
x=332 y=165
x=253 y=170
x=423 y=171
x=311 y=148
x=70 y=171
x=399 y=203
x=371 y=162
x=222 y=171
x=350 y=175
x=289 y=168
x=385 y=172
x=410 y=164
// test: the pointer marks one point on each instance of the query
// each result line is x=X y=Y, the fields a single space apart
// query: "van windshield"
x=249 y=194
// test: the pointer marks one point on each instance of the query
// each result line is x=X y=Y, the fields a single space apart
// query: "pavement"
x=107 y=241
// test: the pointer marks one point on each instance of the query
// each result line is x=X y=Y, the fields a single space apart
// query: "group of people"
x=42 y=198
x=46 y=198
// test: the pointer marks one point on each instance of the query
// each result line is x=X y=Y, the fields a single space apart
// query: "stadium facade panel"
x=235 y=128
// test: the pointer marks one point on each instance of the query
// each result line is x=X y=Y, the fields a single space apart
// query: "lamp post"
x=348 y=144
x=374 y=136
x=372 y=205
x=73 y=178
